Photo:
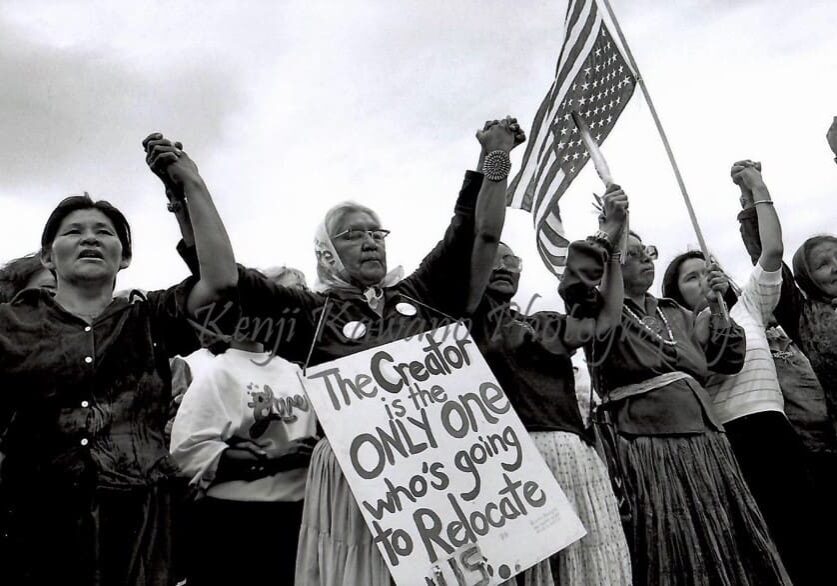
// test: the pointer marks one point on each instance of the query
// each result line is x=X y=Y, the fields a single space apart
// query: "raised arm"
x=789 y=307
x=218 y=272
x=497 y=139
x=586 y=260
x=580 y=331
x=770 y=230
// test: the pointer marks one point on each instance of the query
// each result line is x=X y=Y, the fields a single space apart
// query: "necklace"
x=644 y=322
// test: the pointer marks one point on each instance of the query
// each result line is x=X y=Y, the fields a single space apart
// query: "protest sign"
x=448 y=480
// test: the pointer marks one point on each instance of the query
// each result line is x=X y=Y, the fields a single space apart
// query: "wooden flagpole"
x=653 y=110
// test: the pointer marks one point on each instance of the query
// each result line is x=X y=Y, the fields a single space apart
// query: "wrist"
x=603 y=239
x=612 y=230
x=497 y=165
x=760 y=193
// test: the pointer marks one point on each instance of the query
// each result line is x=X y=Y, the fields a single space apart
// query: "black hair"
x=85 y=202
x=671 y=286
x=16 y=273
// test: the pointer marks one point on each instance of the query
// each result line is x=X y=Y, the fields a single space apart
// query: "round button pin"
x=354 y=330
x=85 y=404
x=84 y=441
x=407 y=309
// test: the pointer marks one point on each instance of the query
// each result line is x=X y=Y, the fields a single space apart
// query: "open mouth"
x=91 y=254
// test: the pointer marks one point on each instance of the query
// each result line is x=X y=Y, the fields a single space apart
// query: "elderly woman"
x=84 y=392
x=358 y=304
x=531 y=357
x=749 y=403
x=692 y=517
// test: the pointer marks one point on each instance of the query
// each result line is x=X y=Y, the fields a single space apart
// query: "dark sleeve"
x=442 y=278
x=726 y=347
x=281 y=318
x=189 y=254
x=789 y=308
x=170 y=320
x=582 y=274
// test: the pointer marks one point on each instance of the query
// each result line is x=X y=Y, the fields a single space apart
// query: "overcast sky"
x=289 y=107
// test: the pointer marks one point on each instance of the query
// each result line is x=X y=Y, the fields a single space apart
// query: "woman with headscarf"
x=85 y=387
x=749 y=403
x=692 y=517
x=531 y=356
x=357 y=304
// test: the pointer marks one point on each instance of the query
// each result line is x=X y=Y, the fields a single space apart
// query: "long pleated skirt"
x=694 y=521
x=601 y=557
x=335 y=546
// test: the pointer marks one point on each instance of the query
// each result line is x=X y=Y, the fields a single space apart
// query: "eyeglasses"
x=355 y=235
x=650 y=251
x=509 y=262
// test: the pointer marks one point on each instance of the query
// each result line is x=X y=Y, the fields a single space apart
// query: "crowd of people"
x=166 y=437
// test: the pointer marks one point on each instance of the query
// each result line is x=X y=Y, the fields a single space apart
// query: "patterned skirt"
x=694 y=521
x=601 y=557
x=335 y=546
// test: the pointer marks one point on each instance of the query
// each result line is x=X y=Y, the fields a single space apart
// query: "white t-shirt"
x=249 y=396
x=756 y=388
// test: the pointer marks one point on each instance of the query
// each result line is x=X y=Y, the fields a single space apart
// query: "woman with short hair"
x=85 y=387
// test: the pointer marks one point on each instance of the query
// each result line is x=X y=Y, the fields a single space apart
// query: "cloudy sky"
x=289 y=107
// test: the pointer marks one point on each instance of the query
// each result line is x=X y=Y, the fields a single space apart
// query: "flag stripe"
x=593 y=78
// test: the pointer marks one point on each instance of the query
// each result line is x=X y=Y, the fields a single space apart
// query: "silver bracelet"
x=764 y=201
x=496 y=165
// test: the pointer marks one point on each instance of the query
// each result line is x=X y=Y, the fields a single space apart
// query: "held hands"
x=501 y=135
x=717 y=283
x=170 y=163
x=831 y=136
x=747 y=176
x=297 y=454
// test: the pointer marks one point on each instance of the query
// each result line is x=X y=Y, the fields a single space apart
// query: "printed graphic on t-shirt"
x=268 y=407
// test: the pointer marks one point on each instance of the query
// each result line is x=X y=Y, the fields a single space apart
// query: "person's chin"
x=94 y=271
x=501 y=287
x=373 y=272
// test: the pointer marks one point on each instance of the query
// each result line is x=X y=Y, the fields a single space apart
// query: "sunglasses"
x=649 y=251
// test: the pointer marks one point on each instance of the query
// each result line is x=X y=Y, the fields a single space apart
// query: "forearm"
x=612 y=291
x=488 y=228
x=218 y=272
x=770 y=231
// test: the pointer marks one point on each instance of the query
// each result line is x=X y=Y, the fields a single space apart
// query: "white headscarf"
x=331 y=272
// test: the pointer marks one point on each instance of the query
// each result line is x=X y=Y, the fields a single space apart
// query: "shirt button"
x=84 y=441
x=87 y=328
x=85 y=404
x=88 y=359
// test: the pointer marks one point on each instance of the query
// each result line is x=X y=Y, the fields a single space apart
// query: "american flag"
x=592 y=78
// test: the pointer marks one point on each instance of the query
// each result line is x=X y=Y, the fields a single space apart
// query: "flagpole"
x=653 y=110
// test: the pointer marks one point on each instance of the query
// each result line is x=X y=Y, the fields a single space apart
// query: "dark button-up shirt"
x=629 y=354
x=85 y=405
